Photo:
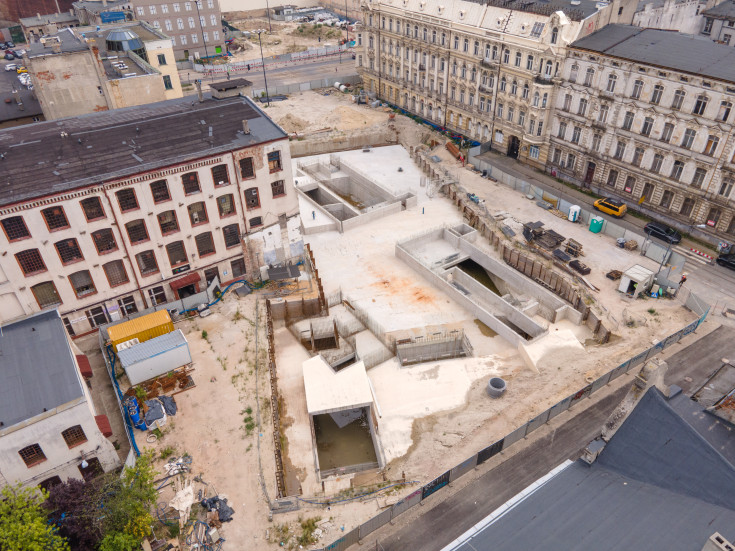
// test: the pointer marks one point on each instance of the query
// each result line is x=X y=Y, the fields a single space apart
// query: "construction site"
x=426 y=319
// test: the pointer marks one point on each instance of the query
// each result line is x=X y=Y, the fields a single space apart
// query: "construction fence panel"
x=600 y=382
x=464 y=467
x=560 y=407
x=406 y=503
x=351 y=538
x=374 y=523
x=492 y=450
x=586 y=391
x=435 y=485
x=537 y=422
x=612 y=229
x=697 y=305
x=514 y=437
x=638 y=359
x=618 y=371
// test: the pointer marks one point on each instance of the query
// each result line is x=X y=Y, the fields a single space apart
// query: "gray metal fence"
x=521 y=432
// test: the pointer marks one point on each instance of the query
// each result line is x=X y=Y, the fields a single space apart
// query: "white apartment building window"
x=202 y=21
x=667 y=132
x=708 y=21
x=678 y=99
x=168 y=25
x=525 y=92
x=173 y=40
x=213 y=20
x=461 y=96
x=194 y=38
x=676 y=170
x=612 y=178
x=582 y=107
x=562 y=130
x=473 y=74
x=554 y=35
x=180 y=23
x=502 y=84
x=164 y=8
x=514 y=88
x=466 y=45
x=495 y=52
x=688 y=138
x=647 y=126
x=487 y=51
x=712 y=143
x=533 y=152
x=602 y=116
x=471 y=101
x=187 y=6
x=531 y=126
x=529 y=63
x=567 y=102
x=156 y=24
x=620 y=150
x=452 y=93
x=638 y=156
x=589 y=75
x=570 y=161
x=612 y=80
x=141 y=11
x=210 y=4
x=511 y=111
x=666 y=198
x=540 y=128
x=500 y=110
x=573 y=73
x=206 y=36
x=521 y=118
x=658 y=160
x=215 y=36
x=464 y=72
x=596 y=139
x=700 y=105
x=536 y=99
x=544 y=99
x=482 y=103
x=444 y=39
x=506 y=56
x=658 y=91
x=637 y=89
x=576 y=134
x=177 y=6
x=476 y=49
x=725 y=108
x=191 y=23
x=698 y=178
x=183 y=39
x=726 y=188
x=152 y=10
x=519 y=57
x=556 y=158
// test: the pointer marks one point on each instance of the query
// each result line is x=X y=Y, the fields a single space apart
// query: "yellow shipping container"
x=143 y=328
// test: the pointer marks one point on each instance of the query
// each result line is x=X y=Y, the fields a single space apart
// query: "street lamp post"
x=268 y=13
x=347 y=18
x=265 y=80
x=201 y=29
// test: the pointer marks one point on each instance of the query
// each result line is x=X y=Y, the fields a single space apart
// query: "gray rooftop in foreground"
x=53 y=157
x=696 y=55
x=658 y=484
x=230 y=84
x=725 y=10
x=37 y=369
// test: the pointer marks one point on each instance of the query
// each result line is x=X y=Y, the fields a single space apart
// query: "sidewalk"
x=536 y=178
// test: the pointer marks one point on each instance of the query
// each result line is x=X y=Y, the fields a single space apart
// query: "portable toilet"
x=596 y=224
x=574 y=212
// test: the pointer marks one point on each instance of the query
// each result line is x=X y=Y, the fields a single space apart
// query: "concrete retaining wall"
x=328 y=143
x=374 y=214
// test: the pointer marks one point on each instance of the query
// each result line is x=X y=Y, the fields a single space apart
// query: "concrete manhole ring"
x=496 y=387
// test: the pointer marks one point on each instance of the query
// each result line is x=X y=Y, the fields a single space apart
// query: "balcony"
x=489 y=63
x=599 y=125
x=607 y=95
x=486 y=89
x=543 y=80
x=422 y=67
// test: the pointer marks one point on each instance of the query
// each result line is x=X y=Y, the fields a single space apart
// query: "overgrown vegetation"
x=109 y=512
x=308 y=527
x=205 y=335
x=23 y=523
x=316 y=30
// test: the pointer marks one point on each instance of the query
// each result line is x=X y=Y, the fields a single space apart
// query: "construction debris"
x=224 y=511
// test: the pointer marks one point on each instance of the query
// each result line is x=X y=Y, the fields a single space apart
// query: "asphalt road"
x=329 y=68
x=456 y=514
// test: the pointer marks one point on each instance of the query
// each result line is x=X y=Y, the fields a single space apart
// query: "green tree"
x=23 y=524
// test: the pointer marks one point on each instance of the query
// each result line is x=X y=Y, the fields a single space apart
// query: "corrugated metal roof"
x=130 y=328
x=695 y=55
x=153 y=347
x=37 y=369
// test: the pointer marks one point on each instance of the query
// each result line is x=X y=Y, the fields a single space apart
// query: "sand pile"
x=291 y=123
x=347 y=118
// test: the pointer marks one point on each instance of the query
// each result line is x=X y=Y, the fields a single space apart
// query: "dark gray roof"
x=230 y=84
x=63 y=17
x=52 y=157
x=12 y=111
x=93 y=6
x=37 y=369
x=718 y=433
x=658 y=484
x=725 y=10
x=695 y=55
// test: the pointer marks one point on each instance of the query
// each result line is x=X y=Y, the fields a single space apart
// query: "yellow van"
x=613 y=207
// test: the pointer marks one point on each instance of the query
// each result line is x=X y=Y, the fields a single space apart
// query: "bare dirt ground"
x=285 y=37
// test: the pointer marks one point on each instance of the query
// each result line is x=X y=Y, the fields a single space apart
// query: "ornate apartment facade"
x=482 y=71
x=139 y=206
x=647 y=115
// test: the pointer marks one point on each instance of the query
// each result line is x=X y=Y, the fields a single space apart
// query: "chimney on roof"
x=38 y=15
x=245 y=126
x=198 y=83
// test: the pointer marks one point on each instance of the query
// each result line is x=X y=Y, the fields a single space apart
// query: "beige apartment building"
x=139 y=206
x=647 y=116
x=478 y=69
x=195 y=26
x=91 y=69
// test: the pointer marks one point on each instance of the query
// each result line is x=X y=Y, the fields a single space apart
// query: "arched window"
x=495 y=52
x=502 y=84
x=544 y=100
x=612 y=80
x=525 y=91
x=535 y=99
x=573 y=73
x=473 y=74
x=589 y=75
x=554 y=35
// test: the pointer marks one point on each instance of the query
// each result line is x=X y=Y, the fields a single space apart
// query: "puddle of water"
x=474 y=270
x=485 y=330
x=342 y=447
x=351 y=200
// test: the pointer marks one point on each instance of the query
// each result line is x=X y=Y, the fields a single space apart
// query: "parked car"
x=9 y=56
x=11 y=67
x=726 y=260
x=612 y=207
x=662 y=231
x=16 y=54
x=21 y=69
x=9 y=44
x=3 y=46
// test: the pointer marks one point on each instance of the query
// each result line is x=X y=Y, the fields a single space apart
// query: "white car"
x=11 y=67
